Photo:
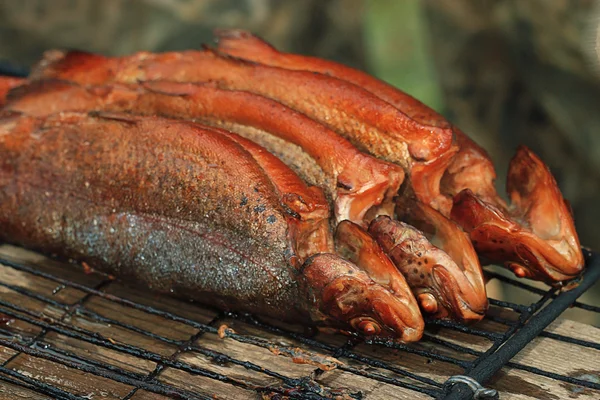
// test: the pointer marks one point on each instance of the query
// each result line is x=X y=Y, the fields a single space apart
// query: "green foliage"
x=396 y=41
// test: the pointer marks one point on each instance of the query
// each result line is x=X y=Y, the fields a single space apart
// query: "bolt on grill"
x=33 y=323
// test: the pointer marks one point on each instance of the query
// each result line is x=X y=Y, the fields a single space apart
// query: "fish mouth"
x=451 y=297
x=343 y=296
x=532 y=263
x=525 y=254
x=372 y=310
x=394 y=315
x=501 y=239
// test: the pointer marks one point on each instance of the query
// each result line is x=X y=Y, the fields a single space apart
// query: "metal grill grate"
x=36 y=319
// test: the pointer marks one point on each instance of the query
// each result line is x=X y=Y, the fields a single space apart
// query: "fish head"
x=443 y=288
x=535 y=236
x=345 y=297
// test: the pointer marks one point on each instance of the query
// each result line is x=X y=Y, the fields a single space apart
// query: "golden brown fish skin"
x=365 y=188
x=361 y=116
x=46 y=97
x=470 y=170
x=426 y=178
x=152 y=199
x=153 y=67
x=309 y=231
x=77 y=185
x=471 y=160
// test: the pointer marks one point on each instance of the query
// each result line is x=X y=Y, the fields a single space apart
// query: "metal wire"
x=477 y=365
x=491 y=362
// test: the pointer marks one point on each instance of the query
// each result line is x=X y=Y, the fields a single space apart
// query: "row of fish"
x=273 y=183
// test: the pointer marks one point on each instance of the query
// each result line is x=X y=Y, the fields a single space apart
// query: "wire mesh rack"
x=129 y=344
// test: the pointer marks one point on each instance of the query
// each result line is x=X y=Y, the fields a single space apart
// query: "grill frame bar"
x=492 y=363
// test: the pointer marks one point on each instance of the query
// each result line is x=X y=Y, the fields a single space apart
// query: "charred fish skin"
x=153 y=200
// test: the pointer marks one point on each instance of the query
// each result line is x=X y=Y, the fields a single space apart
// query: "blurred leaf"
x=397 y=48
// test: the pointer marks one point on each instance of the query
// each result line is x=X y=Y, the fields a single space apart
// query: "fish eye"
x=367 y=327
x=518 y=270
x=428 y=302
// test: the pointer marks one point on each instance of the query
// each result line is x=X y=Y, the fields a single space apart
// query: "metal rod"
x=488 y=366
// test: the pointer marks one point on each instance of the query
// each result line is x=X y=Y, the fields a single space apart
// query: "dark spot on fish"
x=426 y=261
x=260 y=208
x=244 y=201
x=422 y=276
x=494 y=241
x=416 y=271
x=410 y=260
x=256 y=189
x=350 y=272
x=420 y=263
x=271 y=219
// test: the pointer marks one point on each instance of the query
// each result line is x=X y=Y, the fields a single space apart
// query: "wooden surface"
x=544 y=353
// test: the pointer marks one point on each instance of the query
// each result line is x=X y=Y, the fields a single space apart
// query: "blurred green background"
x=506 y=71
x=397 y=48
